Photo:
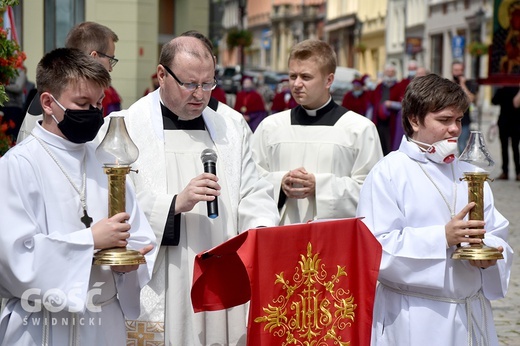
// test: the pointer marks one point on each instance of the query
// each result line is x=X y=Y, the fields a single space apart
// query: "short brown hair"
x=60 y=68
x=90 y=36
x=318 y=50
x=431 y=93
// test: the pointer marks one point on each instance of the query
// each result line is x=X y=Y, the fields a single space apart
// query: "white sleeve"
x=31 y=255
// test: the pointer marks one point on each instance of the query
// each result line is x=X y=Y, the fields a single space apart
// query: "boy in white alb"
x=54 y=217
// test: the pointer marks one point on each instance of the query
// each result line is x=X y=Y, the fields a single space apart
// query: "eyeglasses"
x=192 y=86
x=111 y=59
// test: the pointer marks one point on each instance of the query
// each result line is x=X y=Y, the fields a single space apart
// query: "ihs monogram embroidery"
x=313 y=310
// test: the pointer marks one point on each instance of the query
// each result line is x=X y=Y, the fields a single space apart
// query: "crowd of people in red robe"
x=380 y=102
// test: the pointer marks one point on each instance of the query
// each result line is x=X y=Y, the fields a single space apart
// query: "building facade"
x=141 y=25
x=372 y=48
x=365 y=34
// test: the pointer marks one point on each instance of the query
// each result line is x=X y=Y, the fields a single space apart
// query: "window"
x=60 y=17
x=436 y=42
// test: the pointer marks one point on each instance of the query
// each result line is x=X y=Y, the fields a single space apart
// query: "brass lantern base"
x=477 y=252
x=118 y=257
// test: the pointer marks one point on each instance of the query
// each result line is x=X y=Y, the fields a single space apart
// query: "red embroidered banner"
x=308 y=283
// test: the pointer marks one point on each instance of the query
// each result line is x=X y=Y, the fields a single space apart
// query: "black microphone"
x=209 y=160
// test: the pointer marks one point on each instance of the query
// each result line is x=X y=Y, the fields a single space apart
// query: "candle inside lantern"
x=117 y=148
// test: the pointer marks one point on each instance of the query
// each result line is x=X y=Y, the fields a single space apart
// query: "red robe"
x=251 y=104
x=385 y=118
x=401 y=87
x=398 y=130
x=251 y=100
x=279 y=103
x=111 y=102
x=376 y=99
x=219 y=94
x=358 y=104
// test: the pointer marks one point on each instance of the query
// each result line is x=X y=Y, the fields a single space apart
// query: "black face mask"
x=80 y=125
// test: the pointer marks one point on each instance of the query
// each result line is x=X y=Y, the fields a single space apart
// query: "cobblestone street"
x=507 y=199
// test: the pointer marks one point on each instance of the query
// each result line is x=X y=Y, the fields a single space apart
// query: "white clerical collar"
x=314 y=112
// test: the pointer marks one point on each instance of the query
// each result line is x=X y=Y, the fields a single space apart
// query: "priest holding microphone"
x=180 y=140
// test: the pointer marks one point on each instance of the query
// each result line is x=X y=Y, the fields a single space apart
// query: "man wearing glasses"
x=112 y=61
x=97 y=41
x=171 y=127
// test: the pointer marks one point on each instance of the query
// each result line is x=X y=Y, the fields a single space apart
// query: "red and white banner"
x=311 y=284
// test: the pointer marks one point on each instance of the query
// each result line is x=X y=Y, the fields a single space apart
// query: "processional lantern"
x=117 y=152
x=476 y=173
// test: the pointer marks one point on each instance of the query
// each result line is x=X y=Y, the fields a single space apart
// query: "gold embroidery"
x=312 y=310
x=141 y=333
